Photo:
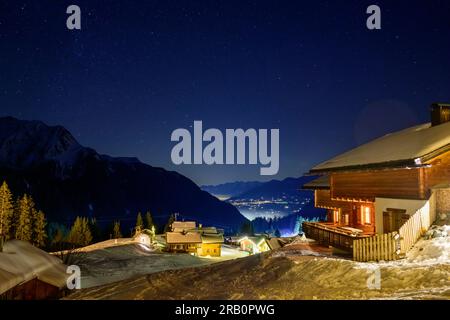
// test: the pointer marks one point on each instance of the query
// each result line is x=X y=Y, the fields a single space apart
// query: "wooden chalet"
x=187 y=237
x=381 y=196
x=183 y=226
x=188 y=242
x=28 y=273
x=255 y=244
x=211 y=244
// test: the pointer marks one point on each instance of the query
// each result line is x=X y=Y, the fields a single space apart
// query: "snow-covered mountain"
x=24 y=144
x=67 y=179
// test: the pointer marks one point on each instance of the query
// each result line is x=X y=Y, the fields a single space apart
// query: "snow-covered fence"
x=379 y=247
x=391 y=246
x=417 y=225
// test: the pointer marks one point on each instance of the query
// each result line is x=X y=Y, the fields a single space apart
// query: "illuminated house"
x=254 y=245
x=211 y=244
x=189 y=242
x=183 y=226
x=187 y=237
x=391 y=187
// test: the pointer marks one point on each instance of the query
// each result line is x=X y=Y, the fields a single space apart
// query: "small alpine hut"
x=28 y=273
x=253 y=245
x=382 y=195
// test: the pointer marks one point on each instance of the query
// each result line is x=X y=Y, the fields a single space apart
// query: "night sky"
x=140 y=69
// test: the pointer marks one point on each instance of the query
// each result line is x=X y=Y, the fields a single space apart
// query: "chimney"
x=440 y=113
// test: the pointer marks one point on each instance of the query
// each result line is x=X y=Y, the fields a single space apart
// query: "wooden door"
x=393 y=219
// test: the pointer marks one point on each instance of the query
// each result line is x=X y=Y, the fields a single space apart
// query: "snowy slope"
x=290 y=273
x=120 y=259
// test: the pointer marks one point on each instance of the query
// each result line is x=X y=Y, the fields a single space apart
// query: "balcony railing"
x=331 y=235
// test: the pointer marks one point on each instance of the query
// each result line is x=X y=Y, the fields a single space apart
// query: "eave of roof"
x=180 y=238
x=397 y=164
x=210 y=239
x=323 y=182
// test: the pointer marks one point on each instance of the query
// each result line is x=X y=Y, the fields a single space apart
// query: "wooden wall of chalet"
x=211 y=249
x=323 y=200
x=439 y=172
x=34 y=289
x=366 y=185
x=352 y=208
x=391 y=183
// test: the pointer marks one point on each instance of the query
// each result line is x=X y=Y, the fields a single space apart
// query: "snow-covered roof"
x=212 y=238
x=274 y=243
x=179 y=226
x=21 y=262
x=322 y=182
x=408 y=147
x=188 y=237
x=254 y=239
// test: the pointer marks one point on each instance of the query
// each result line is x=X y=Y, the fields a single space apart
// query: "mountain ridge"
x=67 y=179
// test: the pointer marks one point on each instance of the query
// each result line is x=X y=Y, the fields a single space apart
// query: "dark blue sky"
x=140 y=69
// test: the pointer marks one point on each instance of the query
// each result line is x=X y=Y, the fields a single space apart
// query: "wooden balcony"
x=330 y=234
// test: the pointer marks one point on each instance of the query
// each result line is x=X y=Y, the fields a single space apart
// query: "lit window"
x=346 y=219
x=366 y=218
x=336 y=216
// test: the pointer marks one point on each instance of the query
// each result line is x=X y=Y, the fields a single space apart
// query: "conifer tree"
x=59 y=237
x=6 y=211
x=247 y=228
x=86 y=232
x=116 y=230
x=39 y=233
x=95 y=230
x=277 y=233
x=139 y=222
x=148 y=221
x=168 y=226
x=24 y=208
x=80 y=234
x=74 y=236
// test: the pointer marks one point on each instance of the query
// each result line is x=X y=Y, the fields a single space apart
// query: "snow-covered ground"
x=114 y=260
x=297 y=271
